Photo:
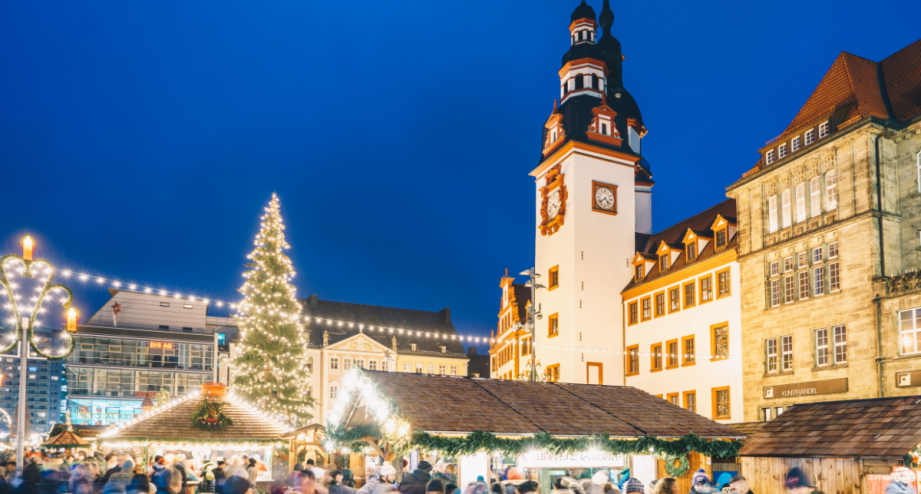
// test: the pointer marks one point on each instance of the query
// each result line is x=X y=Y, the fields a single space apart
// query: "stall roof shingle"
x=463 y=405
x=877 y=428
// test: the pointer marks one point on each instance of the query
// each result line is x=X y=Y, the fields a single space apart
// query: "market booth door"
x=696 y=461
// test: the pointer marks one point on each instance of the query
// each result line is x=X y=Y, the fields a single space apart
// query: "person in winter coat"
x=119 y=480
x=634 y=486
x=219 y=477
x=700 y=483
x=31 y=477
x=667 y=485
x=381 y=482
x=597 y=485
x=797 y=483
x=139 y=484
x=561 y=486
x=335 y=484
x=739 y=485
x=902 y=480
x=252 y=471
x=415 y=482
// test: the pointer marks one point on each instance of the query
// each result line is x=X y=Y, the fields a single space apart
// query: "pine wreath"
x=210 y=416
x=676 y=471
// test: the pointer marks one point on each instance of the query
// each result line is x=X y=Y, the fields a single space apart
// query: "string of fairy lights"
x=149 y=288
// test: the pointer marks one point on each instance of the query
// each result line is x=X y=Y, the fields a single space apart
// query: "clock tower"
x=593 y=193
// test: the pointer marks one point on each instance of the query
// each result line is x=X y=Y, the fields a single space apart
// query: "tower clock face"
x=553 y=204
x=604 y=198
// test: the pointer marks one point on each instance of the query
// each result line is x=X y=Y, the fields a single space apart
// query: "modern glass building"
x=45 y=388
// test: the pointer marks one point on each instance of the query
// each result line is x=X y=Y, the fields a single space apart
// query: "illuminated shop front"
x=102 y=412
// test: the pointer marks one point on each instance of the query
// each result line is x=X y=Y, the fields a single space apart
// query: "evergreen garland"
x=270 y=370
x=210 y=416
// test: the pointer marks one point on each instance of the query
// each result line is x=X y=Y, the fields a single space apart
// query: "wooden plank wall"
x=696 y=461
x=831 y=476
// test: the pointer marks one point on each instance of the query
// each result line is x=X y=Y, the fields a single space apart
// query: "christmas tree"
x=270 y=369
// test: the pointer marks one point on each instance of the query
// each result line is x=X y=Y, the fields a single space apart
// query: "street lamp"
x=534 y=285
x=25 y=310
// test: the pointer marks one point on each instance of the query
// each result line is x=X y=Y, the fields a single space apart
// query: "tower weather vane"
x=24 y=311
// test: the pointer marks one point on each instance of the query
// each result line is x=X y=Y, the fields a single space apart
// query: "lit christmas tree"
x=270 y=369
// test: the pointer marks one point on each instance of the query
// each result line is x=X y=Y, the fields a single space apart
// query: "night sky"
x=140 y=140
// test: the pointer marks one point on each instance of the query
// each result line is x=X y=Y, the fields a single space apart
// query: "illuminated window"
x=803 y=284
x=706 y=289
x=655 y=357
x=800 y=203
x=815 y=197
x=772 y=213
x=633 y=360
x=721 y=403
x=688 y=350
x=831 y=191
x=821 y=347
x=660 y=304
x=834 y=277
x=553 y=373
x=775 y=293
x=910 y=331
x=840 y=334
x=724 y=285
x=690 y=295
x=719 y=341
x=674 y=299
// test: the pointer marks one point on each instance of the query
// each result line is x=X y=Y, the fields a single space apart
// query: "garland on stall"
x=674 y=449
x=210 y=416
x=913 y=458
x=676 y=471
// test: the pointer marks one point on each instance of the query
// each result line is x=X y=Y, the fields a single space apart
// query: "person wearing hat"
x=528 y=487
x=335 y=484
x=416 y=482
x=380 y=482
x=798 y=483
x=237 y=485
x=700 y=483
x=634 y=485
x=435 y=486
x=739 y=485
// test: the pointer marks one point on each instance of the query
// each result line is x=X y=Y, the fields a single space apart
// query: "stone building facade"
x=829 y=223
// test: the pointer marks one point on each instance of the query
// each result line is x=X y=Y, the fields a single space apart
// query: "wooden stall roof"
x=877 y=428
x=462 y=405
x=66 y=439
x=175 y=424
x=301 y=430
x=748 y=429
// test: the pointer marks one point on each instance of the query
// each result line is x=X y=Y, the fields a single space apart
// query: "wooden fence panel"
x=831 y=476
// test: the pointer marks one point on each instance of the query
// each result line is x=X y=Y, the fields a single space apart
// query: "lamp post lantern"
x=24 y=311
x=533 y=315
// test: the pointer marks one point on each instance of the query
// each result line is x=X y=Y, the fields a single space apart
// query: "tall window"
x=833 y=250
x=834 y=277
x=690 y=401
x=706 y=289
x=800 y=203
x=372 y=365
x=823 y=129
x=442 y=369
x=795 y=143
x=775 y=269
x=821 y=347
x=692 y=250
x=688 y=348
x=453 y=370
x=770 y=351
x=553 y=373
x=663 y=262
x=775 y=293
x=633 y=312
x=910 y=331
x=660 y=304
x=721 y=238
x=772 y=213
x=333 y=391
x=788 y=288
x=553 y=327
x=655 y=357
x=801 y=260
x=408 y=366
x=787 y=211
x=840 y=333
x=639 y=272
x=334 y=363
x=554 y=277
x=723 y=284
x=803 y=284
x=346 y=363
x=781 y=151
x=431 y=369
x=815 y=197
x=361 y=363
x=719 y=336
x=786 y=352
x=770 y=156
x=674 y=299
x=831 y=191
x=690 y=295
x=810 y=136
x=674 y=351
x=647 y=308
x=633 y=361
x=721 y=403
x=818 y=280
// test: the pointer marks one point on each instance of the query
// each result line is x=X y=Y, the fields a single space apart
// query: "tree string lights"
x=270 y=368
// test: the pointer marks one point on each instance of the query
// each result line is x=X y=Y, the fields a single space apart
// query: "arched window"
x=831 y=191
x=815 y=197
x=594 y=81
x=580 y=82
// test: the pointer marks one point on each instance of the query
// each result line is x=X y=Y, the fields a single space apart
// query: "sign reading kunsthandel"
x=588 y=459
x=827 y=387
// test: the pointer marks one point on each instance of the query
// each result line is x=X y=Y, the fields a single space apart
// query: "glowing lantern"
x=72 y=320
x=27 y=248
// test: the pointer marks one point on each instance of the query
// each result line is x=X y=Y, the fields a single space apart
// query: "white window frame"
x=333 y=391
x=809 y=137
x=803 y=283
x=795 y=144
x=802 y=260
x=419 y=368
x=815 y=197
x=833 y=250
x=912 y=332
x=769 y=156
x=840 y=335
x=775 y=292
x=781 y=151
x=823 y=130
x=788 y=264
x=789 y=289
x=800 y=203
x=372 y=364
x=771 y=358
x=407 y=367
x=453 y=370
x=442 y=369
x=334 y=363
x=821 y=347
x=346 y=364
x=772 y=213
x=787 y=208
x=834 y=277
x=431 y=369
x=786 y=353
x=831 y=190
x=775 y=269
x=818 y=281
x=817 y=255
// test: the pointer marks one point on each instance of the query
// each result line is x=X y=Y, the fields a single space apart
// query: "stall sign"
x=161 y=344
x=829 y=386
x=588 y=459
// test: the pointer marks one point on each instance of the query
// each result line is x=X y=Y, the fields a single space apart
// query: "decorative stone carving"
x=812 y=167
x=325 y=338
x=828 y=161
x=394 y=343
x=368 y=347
x=798 y=175
x=770 y=188
x=353 y=345
x=784 y=181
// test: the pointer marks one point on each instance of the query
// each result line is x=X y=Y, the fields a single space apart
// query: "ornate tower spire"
x=606 y=18
x=609 y=45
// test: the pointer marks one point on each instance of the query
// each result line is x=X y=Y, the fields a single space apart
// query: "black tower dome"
x=583 y=11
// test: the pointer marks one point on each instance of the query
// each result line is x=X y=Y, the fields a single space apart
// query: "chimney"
x=446 y=312
x=314 y=303
x=471 y=352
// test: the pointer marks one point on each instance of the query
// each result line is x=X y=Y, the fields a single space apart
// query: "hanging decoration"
x=210 y=416
x=679 y=470
x=913 y=458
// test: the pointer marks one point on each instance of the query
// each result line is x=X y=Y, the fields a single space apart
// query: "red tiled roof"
x=463 y=405
x=902 y=76
x=878 y=428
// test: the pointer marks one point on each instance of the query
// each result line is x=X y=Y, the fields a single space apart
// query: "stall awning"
x=878 y=428
x=461 y=405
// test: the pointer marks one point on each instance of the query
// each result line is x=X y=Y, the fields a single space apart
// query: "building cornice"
x=681 y=275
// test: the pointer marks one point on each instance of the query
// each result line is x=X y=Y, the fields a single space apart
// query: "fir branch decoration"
x=210 y=416
x=270 y=370
x=676 y=470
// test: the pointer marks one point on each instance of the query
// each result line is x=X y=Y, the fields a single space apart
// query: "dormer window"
x=721 y=238
x=781 y=151
x=823 y=129
x=412 y=346
x=663 y=262
x=810 y=136
x=444 y=349
x=639 y=272
x=691 y=250
x=795 y=144
x=769 y=157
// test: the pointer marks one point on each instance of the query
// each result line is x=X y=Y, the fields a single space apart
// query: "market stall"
x=545 y=430
x=306 y=443
x=67 y=440
x=844 y=447
x=211 y=425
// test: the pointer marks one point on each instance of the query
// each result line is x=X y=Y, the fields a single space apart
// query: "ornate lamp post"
x=24 y=311
x=533 y=316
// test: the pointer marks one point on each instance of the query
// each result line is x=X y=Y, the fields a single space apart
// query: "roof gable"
x=902 y=78
x=359 y=343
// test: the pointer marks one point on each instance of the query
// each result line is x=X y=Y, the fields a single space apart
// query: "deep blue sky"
x=141 y=139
